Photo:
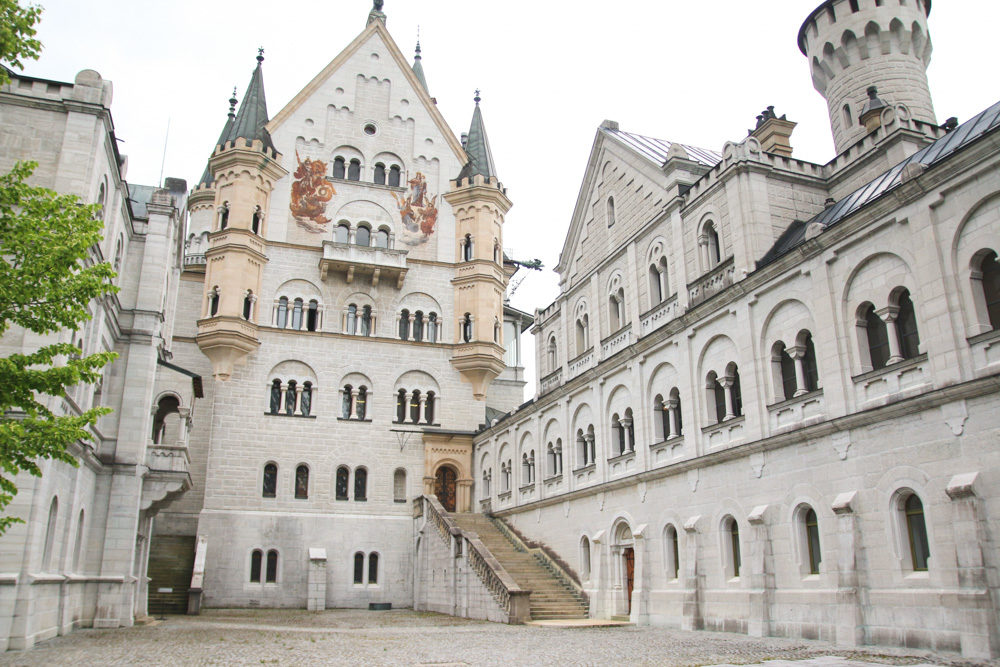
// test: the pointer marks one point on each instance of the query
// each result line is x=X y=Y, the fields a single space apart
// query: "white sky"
x=550 y=72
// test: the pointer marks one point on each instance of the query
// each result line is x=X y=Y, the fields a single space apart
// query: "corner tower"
x=243 y=169
x=853 y=45
x=480 y=203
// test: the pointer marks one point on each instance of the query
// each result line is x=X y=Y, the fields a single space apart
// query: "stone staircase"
x=551 y=598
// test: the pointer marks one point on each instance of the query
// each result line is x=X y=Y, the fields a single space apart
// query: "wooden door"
x=629 y=556
x=445 y=486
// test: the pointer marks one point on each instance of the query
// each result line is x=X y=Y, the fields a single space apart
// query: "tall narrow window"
x=275 y=396
x=719 y=398
x=363 y=236
x=400 y=406
x=585 y=558
x=916 y=531
x=290 y=397
x=418 y=325
x=787 y=368
x=312 y=315
x=552 y=358
x=255 y=220
x=399 y=486
x=270 y=480
x=848 y=120
x=429 y=408
x=78 y=545
x=366 y=321
x=213 y=305
x=248 y=305
x=224 y=216
x=302 y=482
x=906 y=327
x=878 y=338
x=255 y=565
x=48 y=555
x=346 y=401
x=359 y=568
x=432 y=328
x=990 y=282
x=381 y=239
x=379 y=174
x=342 y=233
x=272 y=566
x=467 y=327
x=733 y=531
x=341 y=483
x=404 y=324
x=373 y=568
x=617 y=433
x=737 y=392
x=354 y=170
x=305 y=401
x=352 y=319
x=611 y=211
x=339 y=167
x=415 y=406
x=809 y=363
x=812 y=541
x=467 y=248
x=360 y=484
x=361 y=404
x=671 y=552
x=282 y=320
x=297 y=314
x=714 y=247
x=394 y=176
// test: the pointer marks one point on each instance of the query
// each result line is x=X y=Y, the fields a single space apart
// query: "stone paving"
x=402 y=637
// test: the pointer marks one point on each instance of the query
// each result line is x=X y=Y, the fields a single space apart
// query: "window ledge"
x=711 y=428
x=285 y=414
x=527 y=487
x=918 y=575
x=360 y=421
x=399 y=500
x=676 y=440
x=801 y=398
x=892 y=368
x=622 y=457
x=984 y=337
x=394 y=188
x=587 y=468
x=503 y=495
x=553 y=478
x=435 y=424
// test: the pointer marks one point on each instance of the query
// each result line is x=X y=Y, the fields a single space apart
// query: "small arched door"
x=445 y=487
x=628 y=555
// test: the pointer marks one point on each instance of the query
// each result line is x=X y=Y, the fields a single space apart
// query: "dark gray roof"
x=478 y=148
x=252 y=117
x=207 y=178
x=656 y=150
x=140 y=196
x=966 y=133
x=418 y=69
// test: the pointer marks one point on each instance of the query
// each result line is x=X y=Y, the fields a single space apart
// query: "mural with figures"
x=418 y=212
x=310 y=194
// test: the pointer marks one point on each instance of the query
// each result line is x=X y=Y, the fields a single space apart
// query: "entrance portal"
x=628 y=555
x=445 y=487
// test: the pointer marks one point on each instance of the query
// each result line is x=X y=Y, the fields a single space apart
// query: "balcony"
x=354 y=260
x=196 y=259
x=552 y=380
x=711 y=283
x=892 y=383
x=616 y=342
x=796 y=412
x=658 y=315
x=168 y=466
x=581 y=363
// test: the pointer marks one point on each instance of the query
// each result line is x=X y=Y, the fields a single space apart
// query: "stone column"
x=409 y=326
x=889 y=315
x=727 y=387
x=671 y=407
x=798 y=354
x=406 y=406
x=422 y=409
x=316 y=580
x=354 y=403
x=298 y=400
x=703 y=252
x=591 y=447
x=691 y=614
x=850 y=615
x=761 y=576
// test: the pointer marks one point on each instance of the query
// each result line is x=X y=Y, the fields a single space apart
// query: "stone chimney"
x=774 y=133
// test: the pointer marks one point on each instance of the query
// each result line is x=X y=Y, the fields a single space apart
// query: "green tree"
x=48 y=276
x=17 y=34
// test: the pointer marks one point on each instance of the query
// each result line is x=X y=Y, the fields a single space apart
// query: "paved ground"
x=398 y=637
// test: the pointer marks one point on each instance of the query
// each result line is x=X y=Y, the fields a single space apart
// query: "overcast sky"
x=550 y=72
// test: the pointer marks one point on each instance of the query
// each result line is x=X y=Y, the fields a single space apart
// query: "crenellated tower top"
x=853 y=45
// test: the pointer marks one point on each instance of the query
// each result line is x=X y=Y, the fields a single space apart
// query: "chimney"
x=871 y=113
x=774 y=133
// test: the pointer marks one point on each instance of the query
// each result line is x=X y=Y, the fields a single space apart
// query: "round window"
x=370 y=129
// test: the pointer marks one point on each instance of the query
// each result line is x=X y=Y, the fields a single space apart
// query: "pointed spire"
x=418 y=68
x=206 y=178
x=478 y=147
x=252 y=117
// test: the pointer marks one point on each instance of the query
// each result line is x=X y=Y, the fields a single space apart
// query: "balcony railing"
x=617 y=341
x=712 y=282
x=376 y=264
x=552 y=380
x=658 y=315
x=581 y=363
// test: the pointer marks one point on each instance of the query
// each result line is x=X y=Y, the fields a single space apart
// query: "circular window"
x=370 y=129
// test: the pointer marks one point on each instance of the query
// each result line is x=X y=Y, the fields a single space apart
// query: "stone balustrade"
x=659 y=315
x=616 y=342
x=712 y=282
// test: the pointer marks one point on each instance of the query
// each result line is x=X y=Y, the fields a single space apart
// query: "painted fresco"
x=310 y=194
x=417 y=211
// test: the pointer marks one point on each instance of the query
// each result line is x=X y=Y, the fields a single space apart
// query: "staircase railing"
x=510 y=597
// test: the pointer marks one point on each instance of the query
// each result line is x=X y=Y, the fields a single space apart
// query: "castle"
x=766 y=396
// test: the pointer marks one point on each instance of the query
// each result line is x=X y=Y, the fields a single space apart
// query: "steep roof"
x=207 y=178
x=658 y=150
x=252 y=117
x=418 y=70
x=965 y=134
x=477 y=147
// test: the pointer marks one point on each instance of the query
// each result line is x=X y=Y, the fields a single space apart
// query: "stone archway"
x=454 y=452
x=623 y=557
x=446 y=486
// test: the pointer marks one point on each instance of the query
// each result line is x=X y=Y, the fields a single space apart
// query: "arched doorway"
x=445 y=485
x=625 y=547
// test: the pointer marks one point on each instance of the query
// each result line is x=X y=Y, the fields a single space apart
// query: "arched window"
x=272 y=567
x=616 y=309
x=224 y=215
x=496 y=251
x=255 y=220
x=373 y=568
x=712 y=245
x=290 y=397
x=305 y=402
x=400 y=406
x=617 y=434
x=341 y=482
x=415 y=406
x=811 y=527
x=359 y=568
x=916 y=532
x=467 y=248
x=312 y=315
x=297 y=314
x=394 y=176
x=418 y=325
x=360 y=484
x=338 y=167
x=342 y=233
x=363 y=236
x=213 y=304
x=585 y=558
x=674 y=407
x=346 y=402
x=361 y=403
x=48 y=554
x=906 y=327
x=987 y=275
x=432 y=327
x=661 y=419
x=429 y=408
x=302 y=482
x=659 y=285
x=282 y=319
x=270 y=489
x=582 y=334
x=382 y=238
x=733 y=373
x=848 y=120
x=275 y=396
x=552 y=357
x=628 y=426
x=809 y=368
x=732 y=539
x=611 y=211
x=783 y=367
x=717 y=398
x=354 y=170
x=101 y=198
x=78 y=545
x=119 y=251
x=671 y=552
x=467 y=327
x=256 y=558
x=352 y=319
x=366 y=321
x=404 y=324
x=877 y=338
x=248 y=300
x=168 y=405
x=399 y=486
x=527 y=467
x=379 y=173
x=505 y=475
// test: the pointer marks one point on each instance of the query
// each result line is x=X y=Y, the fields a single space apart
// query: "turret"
x=244 y=168
x=480 y=203
x=853 y=45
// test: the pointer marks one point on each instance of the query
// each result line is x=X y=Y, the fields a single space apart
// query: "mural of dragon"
x=310 y=194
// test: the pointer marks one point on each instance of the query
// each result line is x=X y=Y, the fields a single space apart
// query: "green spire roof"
x=478 y=148
x=250 y=121
x=418 y=69
x=206 y=178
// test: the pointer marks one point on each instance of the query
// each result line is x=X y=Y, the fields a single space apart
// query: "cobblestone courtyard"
x=398 y=637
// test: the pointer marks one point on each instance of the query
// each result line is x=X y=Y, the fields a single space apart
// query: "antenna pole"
x=163 y=162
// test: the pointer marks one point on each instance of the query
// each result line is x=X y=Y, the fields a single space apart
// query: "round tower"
x=853 y=45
